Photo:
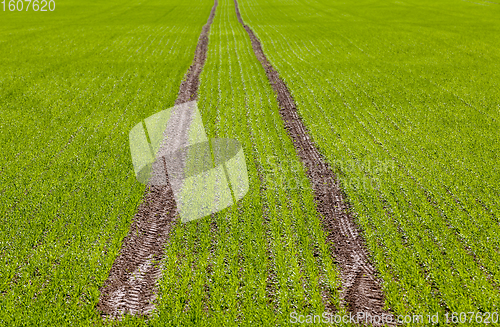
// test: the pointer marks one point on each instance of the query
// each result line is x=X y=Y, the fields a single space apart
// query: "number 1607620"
x=26 y=5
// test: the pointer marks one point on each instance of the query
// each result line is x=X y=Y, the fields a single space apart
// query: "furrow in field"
x=131 y=285
x=361 y=287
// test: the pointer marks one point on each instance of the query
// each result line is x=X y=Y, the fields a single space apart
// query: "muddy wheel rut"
x=361 y=290
x=131 y=285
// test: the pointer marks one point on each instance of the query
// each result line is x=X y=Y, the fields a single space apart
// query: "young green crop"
x=72 y=84
x=412 y=87
x=266 y=257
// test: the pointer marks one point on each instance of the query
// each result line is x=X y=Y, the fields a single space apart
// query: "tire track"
x=131 y=285
x=361 y=290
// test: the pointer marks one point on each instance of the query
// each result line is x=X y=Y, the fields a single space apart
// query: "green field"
x=401 y=97
x=73 y=83
x=254 y=264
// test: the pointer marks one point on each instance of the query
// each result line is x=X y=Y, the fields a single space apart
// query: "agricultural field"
x=239 y=268
x=72 y=84
x=400 y=99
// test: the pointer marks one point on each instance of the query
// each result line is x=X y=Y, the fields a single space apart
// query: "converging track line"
x=361 y=291
x=131 y=285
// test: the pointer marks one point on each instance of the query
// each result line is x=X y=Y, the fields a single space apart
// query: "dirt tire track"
x=189 y=86
x=361 y=289
x=131 y=285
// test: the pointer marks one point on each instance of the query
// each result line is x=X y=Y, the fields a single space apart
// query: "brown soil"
x=131 y=285
x=189 y=86
x=361 y=289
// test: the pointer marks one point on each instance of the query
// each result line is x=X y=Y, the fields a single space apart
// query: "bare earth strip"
x=361 y=288
x=131 y=285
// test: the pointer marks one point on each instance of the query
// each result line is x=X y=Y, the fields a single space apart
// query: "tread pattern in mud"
x=131 y=285
x=361 y=291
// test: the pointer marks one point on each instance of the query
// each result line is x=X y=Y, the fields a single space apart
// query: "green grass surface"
x=72 y=84
x=402 y=97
